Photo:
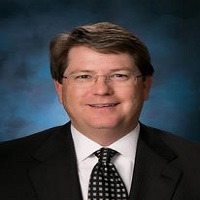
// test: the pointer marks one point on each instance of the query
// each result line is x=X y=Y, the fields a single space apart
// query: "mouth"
x=103 y=105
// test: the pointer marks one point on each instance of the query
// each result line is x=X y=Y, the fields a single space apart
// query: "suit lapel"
x=155 y=176
x=54 y=175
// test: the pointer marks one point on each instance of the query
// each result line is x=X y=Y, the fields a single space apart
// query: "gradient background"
x=170 y=29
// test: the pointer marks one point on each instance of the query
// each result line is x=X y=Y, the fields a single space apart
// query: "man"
x=102 y=76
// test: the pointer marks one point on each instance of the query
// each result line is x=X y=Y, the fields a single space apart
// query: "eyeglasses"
x=117 y=79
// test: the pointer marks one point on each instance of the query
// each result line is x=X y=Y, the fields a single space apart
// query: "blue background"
x=170 y=29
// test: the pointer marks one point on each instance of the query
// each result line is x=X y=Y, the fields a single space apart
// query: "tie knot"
x=105 y=154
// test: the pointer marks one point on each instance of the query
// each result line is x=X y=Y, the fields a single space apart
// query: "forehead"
x=84 y=58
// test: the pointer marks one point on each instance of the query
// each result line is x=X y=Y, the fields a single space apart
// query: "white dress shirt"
x=124 y=161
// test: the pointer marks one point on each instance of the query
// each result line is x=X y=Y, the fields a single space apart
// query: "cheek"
x=72 y=96
x=66 y=96
x=134 y=98
x=132 y=94
x=141 y=92
x=63 y=95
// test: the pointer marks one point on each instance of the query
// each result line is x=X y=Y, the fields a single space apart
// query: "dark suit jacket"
x=43 y=167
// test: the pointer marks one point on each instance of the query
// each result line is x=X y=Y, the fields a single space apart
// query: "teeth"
x=103 y=105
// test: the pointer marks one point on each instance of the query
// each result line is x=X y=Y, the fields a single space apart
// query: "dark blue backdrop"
x=171 y=30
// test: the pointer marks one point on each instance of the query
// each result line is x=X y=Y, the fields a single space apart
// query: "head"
x=107 y=108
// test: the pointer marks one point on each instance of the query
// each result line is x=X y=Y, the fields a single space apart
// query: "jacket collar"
x=155 y=176
x=55 y=175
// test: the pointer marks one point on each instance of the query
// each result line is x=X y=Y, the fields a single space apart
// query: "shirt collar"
x=85 y=147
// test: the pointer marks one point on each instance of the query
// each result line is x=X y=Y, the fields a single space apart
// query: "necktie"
x=105 y=181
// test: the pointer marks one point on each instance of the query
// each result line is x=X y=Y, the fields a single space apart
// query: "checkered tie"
x=105 y=181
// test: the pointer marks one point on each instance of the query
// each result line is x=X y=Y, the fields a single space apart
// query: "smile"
x=105 y=105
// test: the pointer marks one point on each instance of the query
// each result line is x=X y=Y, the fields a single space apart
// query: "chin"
x=102 y=125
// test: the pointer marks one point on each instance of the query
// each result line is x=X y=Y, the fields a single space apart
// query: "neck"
x=106 y=137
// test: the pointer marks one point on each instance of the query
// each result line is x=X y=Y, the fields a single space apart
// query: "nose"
x=102 y=86
x=106 y=77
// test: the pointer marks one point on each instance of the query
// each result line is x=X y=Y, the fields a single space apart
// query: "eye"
x=120 y=76
x=82 y=77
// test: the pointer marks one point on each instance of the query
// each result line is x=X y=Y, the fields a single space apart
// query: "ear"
x=146 y=87
x=59 y=88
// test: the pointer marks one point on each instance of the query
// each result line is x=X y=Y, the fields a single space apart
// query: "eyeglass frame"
x=94 y=78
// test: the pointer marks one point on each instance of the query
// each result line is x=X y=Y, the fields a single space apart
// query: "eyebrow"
x=81 y=71
x=93 y=71
x=123 y=69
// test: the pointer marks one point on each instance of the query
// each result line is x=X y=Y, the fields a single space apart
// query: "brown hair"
x=102 y=37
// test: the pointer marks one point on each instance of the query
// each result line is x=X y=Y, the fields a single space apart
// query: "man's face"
x=103 y=105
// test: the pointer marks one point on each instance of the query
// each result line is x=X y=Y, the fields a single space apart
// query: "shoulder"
x=186 y=149
x=29 y=143
x=172 y=140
